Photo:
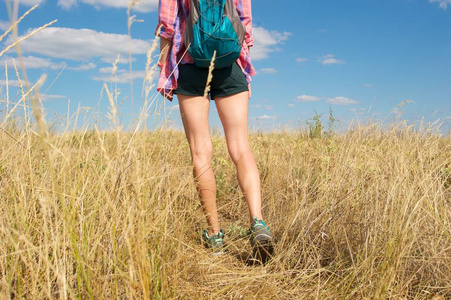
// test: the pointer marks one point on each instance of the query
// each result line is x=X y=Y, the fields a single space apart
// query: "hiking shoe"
x=261 y=241
x=214 y=242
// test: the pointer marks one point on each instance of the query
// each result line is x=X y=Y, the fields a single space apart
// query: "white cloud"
x=141 y=5
x=30 y=2
x=67 y=4
x=367 y=85
x=360 y=111
x=264 y=117
x=46 y=97
x=330 y=60
x=307 y=98
x=81 y=44
x=120 y=77
x=109 y=70
x=255 y=106
x=14 y=83
x=442 y=3
x=4 y=25
x=266 y=41
x=33 y=62
x=301 y=59
x=357 y=109
x=291 y=105
x=341 y=101
x=267 y=71
x=268 y=107
x=447 y=118
x=84 y=67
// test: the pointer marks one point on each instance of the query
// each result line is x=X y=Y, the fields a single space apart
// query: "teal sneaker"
x=214 y=242
x=261 y=241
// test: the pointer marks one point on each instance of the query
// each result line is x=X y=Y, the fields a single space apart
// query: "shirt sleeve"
x=244 y=10
x=167 y=15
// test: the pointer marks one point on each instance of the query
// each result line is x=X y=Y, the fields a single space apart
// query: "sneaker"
x=261 y=241
x=214 y=242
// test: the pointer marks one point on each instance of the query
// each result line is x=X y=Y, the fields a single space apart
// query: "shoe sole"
x=263 y=251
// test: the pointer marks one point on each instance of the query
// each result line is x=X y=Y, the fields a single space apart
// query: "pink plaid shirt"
x=172 y=16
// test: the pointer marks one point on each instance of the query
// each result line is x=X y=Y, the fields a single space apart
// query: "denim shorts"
x=226 y=81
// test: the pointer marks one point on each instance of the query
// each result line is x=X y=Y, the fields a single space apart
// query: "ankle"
x=214 y=231
x=258 y=217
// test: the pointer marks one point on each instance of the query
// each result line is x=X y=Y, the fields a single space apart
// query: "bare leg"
x=233 y=111
x=194 y=111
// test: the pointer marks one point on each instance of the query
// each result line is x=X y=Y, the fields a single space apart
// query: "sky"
x=364 y=60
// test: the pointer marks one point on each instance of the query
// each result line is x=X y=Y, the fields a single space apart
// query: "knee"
x=238 y=152
x=202 y=154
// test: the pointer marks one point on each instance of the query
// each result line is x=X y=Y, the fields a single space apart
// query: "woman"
x=231 y=91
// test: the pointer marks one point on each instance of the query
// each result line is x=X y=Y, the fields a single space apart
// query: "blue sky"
x=360 y=58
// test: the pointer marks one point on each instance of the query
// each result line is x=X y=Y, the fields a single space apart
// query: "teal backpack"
x=214 y=25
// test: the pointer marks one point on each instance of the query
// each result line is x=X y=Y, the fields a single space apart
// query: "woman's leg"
x=233 y=111
x=194 y=111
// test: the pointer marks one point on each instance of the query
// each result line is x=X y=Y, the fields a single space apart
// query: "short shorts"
x=225 y=82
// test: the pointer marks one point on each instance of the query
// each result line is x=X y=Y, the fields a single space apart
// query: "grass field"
x=102 y=215
x=114 y=214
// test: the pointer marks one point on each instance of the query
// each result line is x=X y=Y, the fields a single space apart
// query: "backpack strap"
x=230 y=10
x=194 y=14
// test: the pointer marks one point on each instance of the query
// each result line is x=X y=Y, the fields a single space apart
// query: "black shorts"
x=225 y=82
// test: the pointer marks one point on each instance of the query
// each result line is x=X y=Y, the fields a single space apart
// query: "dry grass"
x=365 y=214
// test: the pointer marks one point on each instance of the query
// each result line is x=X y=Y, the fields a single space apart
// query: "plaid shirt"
x=172 y=16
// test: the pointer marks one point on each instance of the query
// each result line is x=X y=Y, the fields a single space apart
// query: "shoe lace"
x=258 y=223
